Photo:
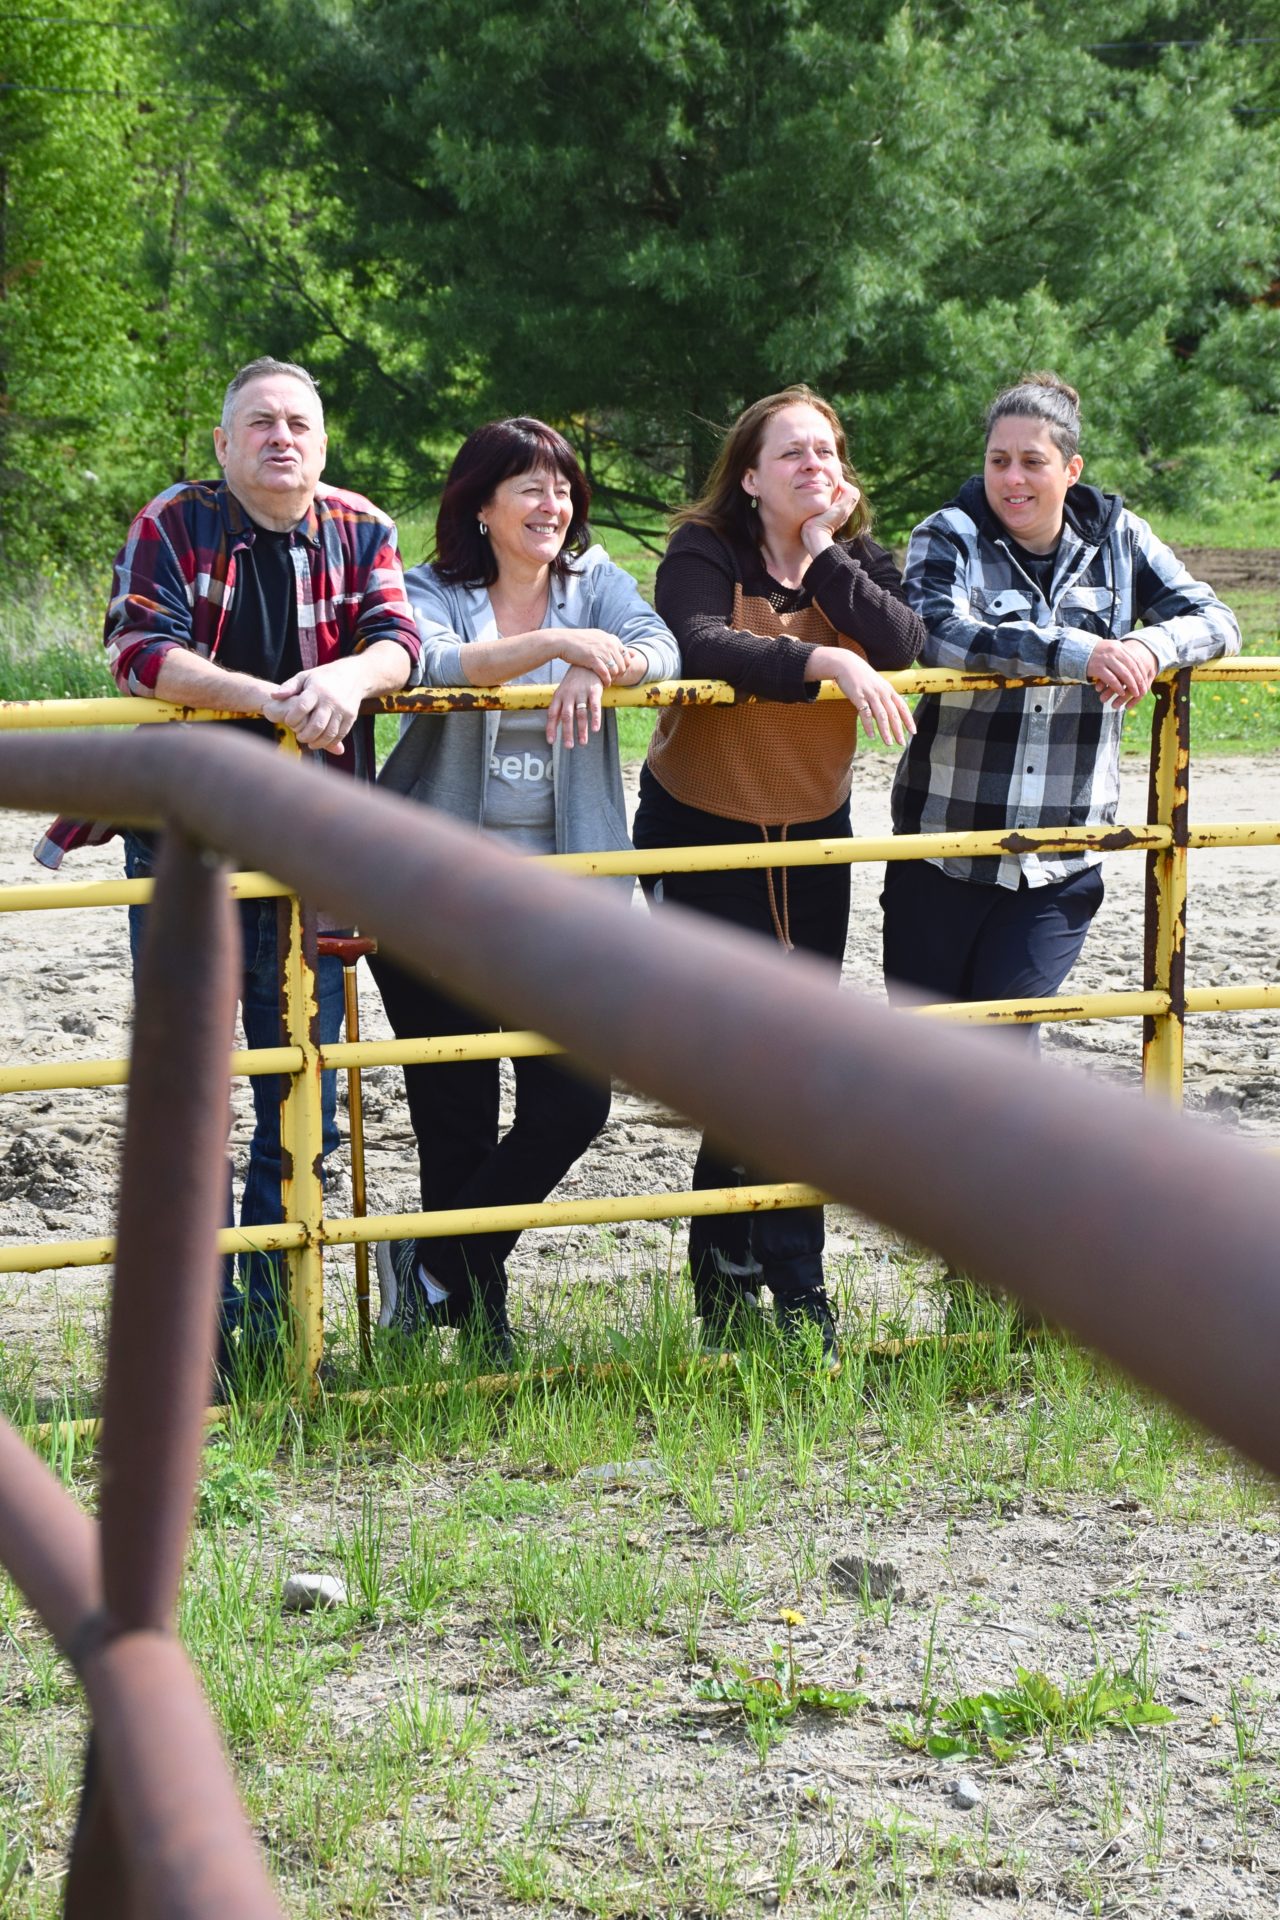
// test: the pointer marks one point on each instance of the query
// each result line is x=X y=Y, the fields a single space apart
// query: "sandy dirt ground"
x=1234 y=569
x=65 y=995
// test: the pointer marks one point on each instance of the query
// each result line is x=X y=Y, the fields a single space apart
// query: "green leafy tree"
x=634 y=216
x=57 y=189
x=104 y=361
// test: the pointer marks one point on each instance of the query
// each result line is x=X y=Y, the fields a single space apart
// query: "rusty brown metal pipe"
x=51 y=1549
x=190 y=1852
x=1151 y=1236
x=172 y=1196
x=49 y=1546
x=160 y=1831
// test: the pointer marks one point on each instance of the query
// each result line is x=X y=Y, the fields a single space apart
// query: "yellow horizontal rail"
x=608 y=1211
x=531 y=695
x=390 y=1394
x=42 y=1078
x=1140 y=837
x=732 y=856
x=516 y=1045
x=40 y=1257
x=1057 y=1010
x=1135 y=837
x=126 y=710
x=1242 y=999
x=105 y=710
x=39 y=896
x=1235 y=833
x=1248 y=667
x=120 y=710
x=527 y=1045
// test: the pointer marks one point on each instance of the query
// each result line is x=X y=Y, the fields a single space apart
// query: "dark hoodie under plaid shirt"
x=1036 y=756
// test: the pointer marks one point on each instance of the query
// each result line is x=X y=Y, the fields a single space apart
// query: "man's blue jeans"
x=257 y=1306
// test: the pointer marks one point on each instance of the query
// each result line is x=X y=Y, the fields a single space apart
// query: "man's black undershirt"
x=260 y=636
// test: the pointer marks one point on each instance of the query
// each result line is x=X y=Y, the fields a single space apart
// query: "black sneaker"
x=795 y=1312
x=404 y=1303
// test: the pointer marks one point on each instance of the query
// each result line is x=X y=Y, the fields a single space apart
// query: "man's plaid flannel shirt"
x=175 y=582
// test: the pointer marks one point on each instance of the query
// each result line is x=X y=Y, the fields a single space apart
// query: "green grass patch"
x=1248 y=523
x=51 y=647
x=1244 y=719
x=1225 y=718
x=558 y=1687
x=998 y=1721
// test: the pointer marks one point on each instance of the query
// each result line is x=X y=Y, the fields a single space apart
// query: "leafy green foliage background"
x=630 y=218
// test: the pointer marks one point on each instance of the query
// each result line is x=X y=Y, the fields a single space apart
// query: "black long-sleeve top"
x=855 y=583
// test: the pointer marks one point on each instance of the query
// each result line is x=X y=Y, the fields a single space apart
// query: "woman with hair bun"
x=515 y=592
x=1028 y=572
x=771 y=582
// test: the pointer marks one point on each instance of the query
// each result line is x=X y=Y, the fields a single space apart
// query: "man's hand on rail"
x=575 y=708
x=881 y=706
x=1122 y=670
x=320 y=705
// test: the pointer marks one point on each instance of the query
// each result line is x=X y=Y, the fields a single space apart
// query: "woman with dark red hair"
x=516 y=592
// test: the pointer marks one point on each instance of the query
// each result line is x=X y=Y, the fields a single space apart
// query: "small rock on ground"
x=309 y=1592
x=872 y=1579
x=621 y=1473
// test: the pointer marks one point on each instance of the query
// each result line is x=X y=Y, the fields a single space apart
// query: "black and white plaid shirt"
x=1036 y=756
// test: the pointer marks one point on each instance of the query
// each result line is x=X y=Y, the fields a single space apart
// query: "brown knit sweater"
x=783 y=759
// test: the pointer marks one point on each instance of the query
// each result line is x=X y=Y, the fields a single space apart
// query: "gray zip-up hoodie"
x=442 y=759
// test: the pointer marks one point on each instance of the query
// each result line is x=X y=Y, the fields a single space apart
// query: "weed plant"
x=998 y=1720
x=769 y=1699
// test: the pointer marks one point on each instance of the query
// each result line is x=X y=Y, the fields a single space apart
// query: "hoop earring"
x=484 y=529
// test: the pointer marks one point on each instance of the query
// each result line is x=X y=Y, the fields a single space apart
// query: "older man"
x=267 y=594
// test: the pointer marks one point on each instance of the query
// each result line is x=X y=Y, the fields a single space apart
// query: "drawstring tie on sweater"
x=781 y=921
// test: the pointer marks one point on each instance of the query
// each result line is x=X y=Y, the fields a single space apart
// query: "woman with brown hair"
x=516 y=592
x=771 y=582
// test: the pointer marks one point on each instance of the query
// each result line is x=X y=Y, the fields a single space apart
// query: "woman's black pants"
x=733 y=1253
x=948 y=939
x=462 y=1162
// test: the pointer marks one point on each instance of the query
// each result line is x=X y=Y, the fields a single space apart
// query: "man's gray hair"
x=266 y=369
